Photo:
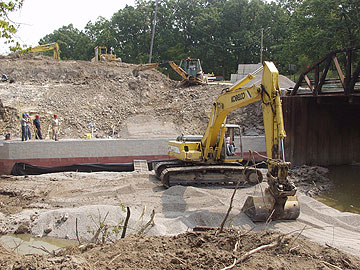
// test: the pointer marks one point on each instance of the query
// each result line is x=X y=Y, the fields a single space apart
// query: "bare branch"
x=231 y=201
x=126 y=222
x=77 y=231
x=151 y=222
x=331 y=265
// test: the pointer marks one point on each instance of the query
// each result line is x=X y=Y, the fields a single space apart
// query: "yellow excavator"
x=215 y=158
x=189 y=69
x=48 y=47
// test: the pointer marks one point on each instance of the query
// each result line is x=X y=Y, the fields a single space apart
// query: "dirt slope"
x=82 y=92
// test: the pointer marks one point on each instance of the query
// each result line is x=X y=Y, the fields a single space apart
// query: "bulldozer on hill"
x=103 y=53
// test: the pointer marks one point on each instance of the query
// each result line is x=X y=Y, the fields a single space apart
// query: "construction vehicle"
x=146 y=67
x=204 y=160
x=189 y=69
x=102 y=53
x=48 y=47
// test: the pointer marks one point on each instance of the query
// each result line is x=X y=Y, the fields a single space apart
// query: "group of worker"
x=26 y=125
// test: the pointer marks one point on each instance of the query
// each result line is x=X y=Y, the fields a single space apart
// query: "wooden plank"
x=321 y=133
x=348 y=72
x=323 y=76
x=309 y=83
x=339 y=71
x=354 y=78
x=316 y=76
x=297 y=85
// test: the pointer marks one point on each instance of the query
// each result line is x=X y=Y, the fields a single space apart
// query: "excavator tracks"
x=209 y=175
x=160 y=166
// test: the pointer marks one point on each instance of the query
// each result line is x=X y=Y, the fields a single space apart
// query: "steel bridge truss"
x=347 y=79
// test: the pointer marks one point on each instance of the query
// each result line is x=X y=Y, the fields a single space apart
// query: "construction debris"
x=311 y=180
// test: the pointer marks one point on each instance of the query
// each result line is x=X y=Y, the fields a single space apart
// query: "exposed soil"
x=109 y=95
x=191 y=250
x=55 y=204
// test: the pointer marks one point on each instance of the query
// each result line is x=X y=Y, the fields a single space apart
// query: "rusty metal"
x=322 y=130
x=348 y=81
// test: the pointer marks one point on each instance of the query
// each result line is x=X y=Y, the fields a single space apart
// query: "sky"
x=37 y=18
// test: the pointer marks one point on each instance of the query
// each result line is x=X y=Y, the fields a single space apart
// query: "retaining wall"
x=322 y=130
x=68 y=152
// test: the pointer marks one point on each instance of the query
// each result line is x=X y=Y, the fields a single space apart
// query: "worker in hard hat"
x=23 y=127
x=55 y=128
x=28 y=124
x=36 y=123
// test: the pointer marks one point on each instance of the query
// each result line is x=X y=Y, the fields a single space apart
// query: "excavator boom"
x=192 y=74
x=48 y=47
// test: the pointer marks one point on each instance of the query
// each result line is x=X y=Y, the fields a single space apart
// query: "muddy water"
x=28 y=244
x=345 y=196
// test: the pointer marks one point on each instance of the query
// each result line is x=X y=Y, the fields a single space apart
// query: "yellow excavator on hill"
x=189 y=69
x=215 y=158
x=48 y=47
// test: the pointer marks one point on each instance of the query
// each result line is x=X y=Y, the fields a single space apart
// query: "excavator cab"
x=193 y=70
x=191 y=66
x=232 y=143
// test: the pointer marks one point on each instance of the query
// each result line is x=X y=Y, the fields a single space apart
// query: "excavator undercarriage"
x=174 y=172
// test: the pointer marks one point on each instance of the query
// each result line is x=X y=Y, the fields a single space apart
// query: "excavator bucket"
x=266 y=207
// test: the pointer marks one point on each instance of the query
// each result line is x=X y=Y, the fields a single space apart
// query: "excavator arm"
x=235 y=98
x=48 y=47
x=187 y=78
x=144 y=67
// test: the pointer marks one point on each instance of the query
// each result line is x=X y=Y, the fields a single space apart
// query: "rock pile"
x=311 y=180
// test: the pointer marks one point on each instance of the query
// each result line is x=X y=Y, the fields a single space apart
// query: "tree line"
x=222 y=33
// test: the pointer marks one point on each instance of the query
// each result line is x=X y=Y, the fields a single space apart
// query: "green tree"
x=7 y=27
x=132 y=32
x=73 y=44
x=319 y=26
x=100 y=33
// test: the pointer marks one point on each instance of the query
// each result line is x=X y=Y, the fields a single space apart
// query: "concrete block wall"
x=243 y=71
x=68 y=152
x=82 y=148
